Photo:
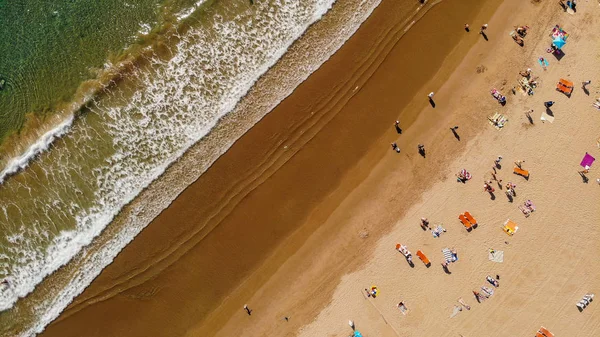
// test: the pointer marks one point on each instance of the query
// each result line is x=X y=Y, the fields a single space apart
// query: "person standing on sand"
x=467 y=27
x=431 y=96
x=519 y=163
x=248 y=310
x=395 y=147
x=548 y=104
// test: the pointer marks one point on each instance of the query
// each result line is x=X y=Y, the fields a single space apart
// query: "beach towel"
x=587 y=161
x=447 y=254
x=403 y=309
x=496 y=256
x=498 y=120
x=510 y=227
x=546 y=117
x=457 y=309
x=488 y=291
x=543 y=62
x=436 y=232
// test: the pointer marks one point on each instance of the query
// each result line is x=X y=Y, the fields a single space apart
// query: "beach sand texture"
x=332 y=213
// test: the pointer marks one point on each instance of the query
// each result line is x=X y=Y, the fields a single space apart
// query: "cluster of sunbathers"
x=487 y=292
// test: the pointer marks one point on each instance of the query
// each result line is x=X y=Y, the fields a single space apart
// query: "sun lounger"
x=521 y=172
x=464 y=304
x=564 y=86
x=538 y=334
x=545 y=332
x=566 y=83
x=423 y=258
x=471 y=218
x=465 y=222
x=510 y=227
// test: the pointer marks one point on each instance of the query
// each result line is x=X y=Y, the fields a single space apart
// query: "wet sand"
x=285 y=196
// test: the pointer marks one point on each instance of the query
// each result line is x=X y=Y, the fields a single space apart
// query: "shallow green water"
x=47 y=48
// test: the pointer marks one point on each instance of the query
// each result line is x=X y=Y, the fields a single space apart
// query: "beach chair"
x=465 y=222
x=521 y=172
x=564 y=86
x=423 y=258
x=545 y=332
x=471 y=219
x=510 y=227
x=538 y=334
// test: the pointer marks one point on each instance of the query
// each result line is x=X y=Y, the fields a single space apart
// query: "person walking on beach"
x=395 y=147
x=421 y=148
x=497 y=161
x=467 y=27
x=519 y=163
x=397 y=126
x=248 y=310
x=484 y=27
x=548 y=104
x=584 y=84
x=499 y=181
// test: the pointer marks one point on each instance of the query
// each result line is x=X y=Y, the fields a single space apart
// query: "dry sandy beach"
x=306 y=208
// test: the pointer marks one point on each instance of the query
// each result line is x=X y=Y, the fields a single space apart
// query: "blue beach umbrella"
x=357 y=334
x=559 y=42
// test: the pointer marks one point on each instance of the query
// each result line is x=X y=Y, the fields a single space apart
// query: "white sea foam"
x=189 y=11
x=183 y=100
x=41 y=145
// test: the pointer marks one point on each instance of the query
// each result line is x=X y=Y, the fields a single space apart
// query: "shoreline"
x=180 y=207
x=46 y=303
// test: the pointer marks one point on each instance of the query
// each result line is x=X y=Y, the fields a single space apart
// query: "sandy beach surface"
x=305 y=210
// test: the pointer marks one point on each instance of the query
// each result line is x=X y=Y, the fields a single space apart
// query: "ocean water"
x=47 y=48
x=193 y=66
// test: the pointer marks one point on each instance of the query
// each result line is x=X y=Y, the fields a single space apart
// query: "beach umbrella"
x=559 y=42
x=357 y=334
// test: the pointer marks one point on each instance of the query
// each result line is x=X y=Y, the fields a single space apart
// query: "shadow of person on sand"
x=492 y=196
x=484 y=36
x=585 y=90
x=530 y=119
x=509 y=196
x=455 y=134
x=398 y=130
x=432 y=103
